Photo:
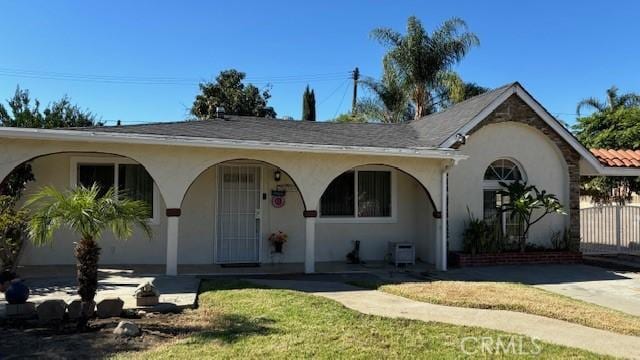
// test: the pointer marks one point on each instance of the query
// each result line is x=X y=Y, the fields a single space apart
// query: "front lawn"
x=514 y=297
x=248 y=322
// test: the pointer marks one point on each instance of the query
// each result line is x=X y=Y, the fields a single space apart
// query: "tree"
x=350 y=118
x=529 y=205
x=613 y=101
x=616 y=127
x=308 y=105
x=229 y=91
x=23 y=112
x=88 y=214
x=390 y=102
x=59 y=114
x=421 y=58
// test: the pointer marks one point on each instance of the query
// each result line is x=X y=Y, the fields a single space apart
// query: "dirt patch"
x=31 y=340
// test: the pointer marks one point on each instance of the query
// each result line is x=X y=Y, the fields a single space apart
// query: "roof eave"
x=148 y=139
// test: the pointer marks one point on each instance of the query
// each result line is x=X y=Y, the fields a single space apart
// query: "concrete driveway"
x=613 y=289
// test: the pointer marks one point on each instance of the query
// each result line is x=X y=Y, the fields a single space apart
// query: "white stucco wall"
x=414 y=223
x=541 y=161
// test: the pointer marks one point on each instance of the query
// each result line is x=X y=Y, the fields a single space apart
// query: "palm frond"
x=592 y=103
x=386 y=36
x=85 y=211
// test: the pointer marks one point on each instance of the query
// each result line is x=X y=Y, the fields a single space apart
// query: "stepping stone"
x=127 y=328
x=166 y=308
x=51 y=311
x=110 y=308
x=75 y=308
x=21 y=311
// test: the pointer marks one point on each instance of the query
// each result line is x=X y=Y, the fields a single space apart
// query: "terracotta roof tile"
x=618 y=158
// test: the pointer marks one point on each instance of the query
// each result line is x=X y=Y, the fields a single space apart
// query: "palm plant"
x=88 y=214
x=613 y=101
x=390 y=103
x=524 y=202
x=422 y=58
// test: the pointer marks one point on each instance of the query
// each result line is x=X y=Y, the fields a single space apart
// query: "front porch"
x=229 y=210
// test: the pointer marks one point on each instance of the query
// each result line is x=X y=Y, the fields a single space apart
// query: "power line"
x=341 y=101
x=333 y=92
x=163 y=80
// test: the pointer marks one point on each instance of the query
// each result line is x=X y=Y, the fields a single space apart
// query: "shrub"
x=13 y=224
x=478 y=236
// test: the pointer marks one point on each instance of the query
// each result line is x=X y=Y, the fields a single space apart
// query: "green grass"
x=246 y=322
x=514 y=297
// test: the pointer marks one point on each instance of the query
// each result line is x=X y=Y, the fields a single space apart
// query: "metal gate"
x=610 y=230
x=238 y=226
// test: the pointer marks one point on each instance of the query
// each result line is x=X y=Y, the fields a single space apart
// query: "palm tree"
x=421 y=57
x=88 y=214
x=614 y=101
x=390 y=103
x=452 y=89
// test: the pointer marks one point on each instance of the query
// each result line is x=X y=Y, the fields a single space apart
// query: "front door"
x=238 y=227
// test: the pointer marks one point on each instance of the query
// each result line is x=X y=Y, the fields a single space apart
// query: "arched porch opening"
x=66 y=169
x=375 y=204
x=231 y=208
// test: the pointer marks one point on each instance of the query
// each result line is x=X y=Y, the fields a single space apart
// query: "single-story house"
x=218 y=188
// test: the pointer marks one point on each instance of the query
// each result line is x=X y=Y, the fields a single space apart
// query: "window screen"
x=103 y=175
x=338 y=199
x=374 y=194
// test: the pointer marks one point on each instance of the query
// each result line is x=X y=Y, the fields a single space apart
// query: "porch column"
x=441 y=248
x=173 y=225
x=310 y=242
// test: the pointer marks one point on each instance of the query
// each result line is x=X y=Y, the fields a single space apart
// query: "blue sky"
x=561 y=51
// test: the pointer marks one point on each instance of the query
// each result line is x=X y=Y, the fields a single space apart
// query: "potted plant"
x=147 y=295
x=278 y=239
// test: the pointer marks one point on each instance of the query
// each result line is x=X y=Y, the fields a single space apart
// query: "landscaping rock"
x=165 y=308
x=51 y=311
x=110 y=308
x=21 y=311
x=75 y=307
x=127 y=328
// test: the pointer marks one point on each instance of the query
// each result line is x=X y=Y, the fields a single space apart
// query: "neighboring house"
x=210 y=183
x=615 y=158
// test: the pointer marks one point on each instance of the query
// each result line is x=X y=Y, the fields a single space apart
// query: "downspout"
x=444 y=214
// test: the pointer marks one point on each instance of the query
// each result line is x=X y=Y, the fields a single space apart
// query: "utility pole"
x=355 y=77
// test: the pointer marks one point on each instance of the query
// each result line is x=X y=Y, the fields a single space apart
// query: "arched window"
x=501 y=170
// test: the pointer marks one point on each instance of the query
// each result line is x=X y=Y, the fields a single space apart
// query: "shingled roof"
x=428 y=132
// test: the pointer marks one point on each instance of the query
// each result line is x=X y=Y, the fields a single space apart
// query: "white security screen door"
x=238 y=230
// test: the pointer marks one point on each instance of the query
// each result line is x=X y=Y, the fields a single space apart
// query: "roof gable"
x=461 y=119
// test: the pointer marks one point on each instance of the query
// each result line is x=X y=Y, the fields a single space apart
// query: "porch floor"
x=27 y=272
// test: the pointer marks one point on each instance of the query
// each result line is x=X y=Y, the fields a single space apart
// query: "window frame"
x=115 y=161
x=357 y=219
x=494 y=185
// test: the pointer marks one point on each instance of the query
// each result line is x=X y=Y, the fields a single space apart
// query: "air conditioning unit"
x=402 y=253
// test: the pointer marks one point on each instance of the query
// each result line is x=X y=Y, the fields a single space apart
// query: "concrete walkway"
x=546 y=329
